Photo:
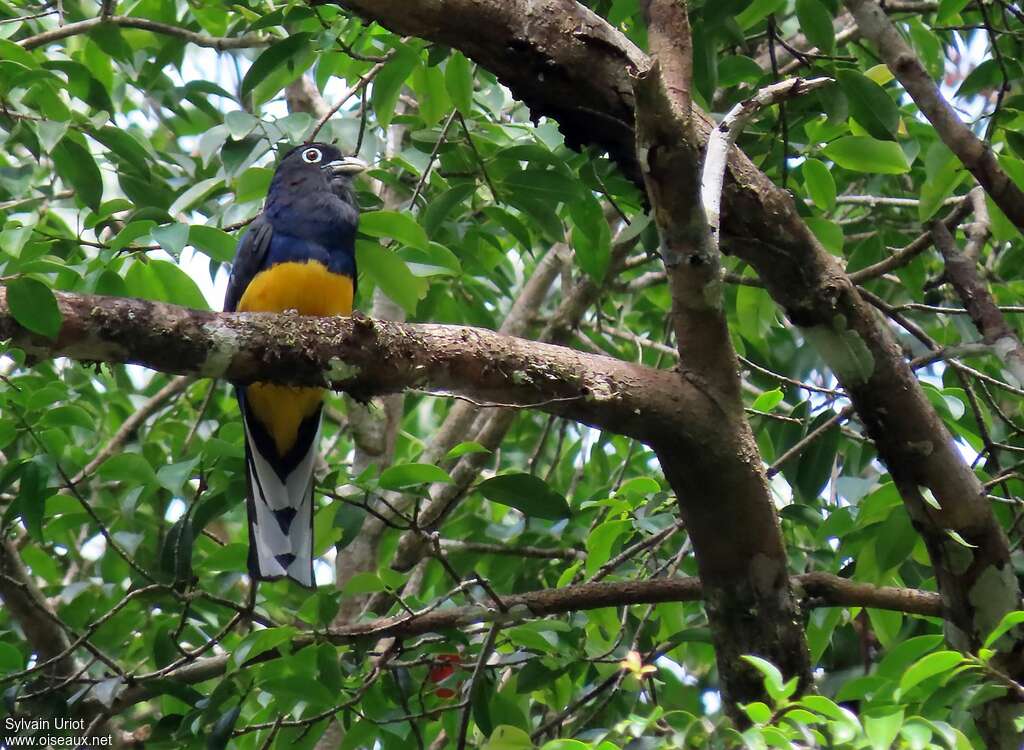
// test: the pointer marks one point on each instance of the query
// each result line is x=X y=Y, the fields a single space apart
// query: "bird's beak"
x=350 y=165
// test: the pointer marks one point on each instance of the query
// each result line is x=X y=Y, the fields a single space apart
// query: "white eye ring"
x=312 y=155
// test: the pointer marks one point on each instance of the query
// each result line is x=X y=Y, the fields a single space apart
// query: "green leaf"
x=252 y=184
x=50 y=133
x=758 y=712
x=123 y=147
x=591 y=237
x=13 y=52
x=819 y=183
x=398 y=226
x=929 y=666
x=132 y=468
x=955 y=536
x=816 y=24
x=363 y=583
x=176 y=554
x=387 y=86
x=260 y=642
x=736 y=69
x=887 y=625
x=34 y=307
x=505 y=737
x=240 y=123
x=511 y=224
x=758 y=11
x=773 y=680
x=31 y=499
x=829 y=234
x=11 y=659
x=870 y=105
x=428 y=84
x=214 y=242
x=941 y=184
x=601 y=540
x=1009 y=621
x=768 y=400
x=458 y=79
x=949 y=11
x=180 y=288
x=349 y=518
x=171 y=237
x=391 y=274
x=828 y=708
x=526 y=493
x=469 y=446
x=402 y=476
x=861 y=153
x=883 y=730
x=276 y=67
x=895 y=662
x=220 y=735
x=442 y=206
x=131 y=232
x=173 y=476
x=78 y=170
x=195 y=195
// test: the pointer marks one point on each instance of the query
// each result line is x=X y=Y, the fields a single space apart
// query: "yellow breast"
x=309 y=289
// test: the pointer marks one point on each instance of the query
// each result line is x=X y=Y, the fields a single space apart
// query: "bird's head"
x=322 y=161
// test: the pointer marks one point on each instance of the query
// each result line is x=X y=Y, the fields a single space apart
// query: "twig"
x=474 y=682
x=82 y=27
x=972 y=152
x=963 y=275
x=352 y=91
x=724 y=136
x=924 y=241
x=798 y=447
x=433 y=156
x=175 y=386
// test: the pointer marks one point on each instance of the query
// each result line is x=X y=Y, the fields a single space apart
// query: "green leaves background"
x=116 y=162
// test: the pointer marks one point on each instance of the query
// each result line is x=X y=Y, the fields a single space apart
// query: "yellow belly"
x=309 y=289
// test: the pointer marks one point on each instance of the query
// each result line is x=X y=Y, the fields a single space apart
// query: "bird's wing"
x=250 y=258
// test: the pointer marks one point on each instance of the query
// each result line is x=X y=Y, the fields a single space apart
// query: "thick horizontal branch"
x=367 y=357
x=129 y=22
x=819 y=589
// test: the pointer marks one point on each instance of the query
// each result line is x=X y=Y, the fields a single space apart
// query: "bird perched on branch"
x=299 y=254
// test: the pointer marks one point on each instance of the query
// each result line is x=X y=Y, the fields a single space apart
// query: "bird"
x=297 y=255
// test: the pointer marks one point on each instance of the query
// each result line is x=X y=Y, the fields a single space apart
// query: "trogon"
x=298 y=255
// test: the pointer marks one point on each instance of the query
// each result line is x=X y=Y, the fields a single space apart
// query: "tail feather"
x=280 y=505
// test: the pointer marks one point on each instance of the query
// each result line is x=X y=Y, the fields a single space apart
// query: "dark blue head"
x=314 y=167
x=311 y=195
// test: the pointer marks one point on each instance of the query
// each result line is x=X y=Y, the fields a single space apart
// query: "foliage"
x=123 y=172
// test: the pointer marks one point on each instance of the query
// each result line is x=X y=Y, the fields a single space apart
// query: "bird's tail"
x=280 y=499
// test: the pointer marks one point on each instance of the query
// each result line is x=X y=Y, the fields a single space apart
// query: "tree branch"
x=368 y=357
x=962 y=273
x=974 y=153
x=723 y=138
x=221 y=43
x=746 y=571
x=29 y=609
x=572 y=66
x=821 y=590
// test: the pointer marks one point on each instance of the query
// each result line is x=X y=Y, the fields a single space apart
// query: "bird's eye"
x=312 y=155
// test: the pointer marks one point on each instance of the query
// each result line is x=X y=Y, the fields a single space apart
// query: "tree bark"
x=744 y=573
x=567 y=63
